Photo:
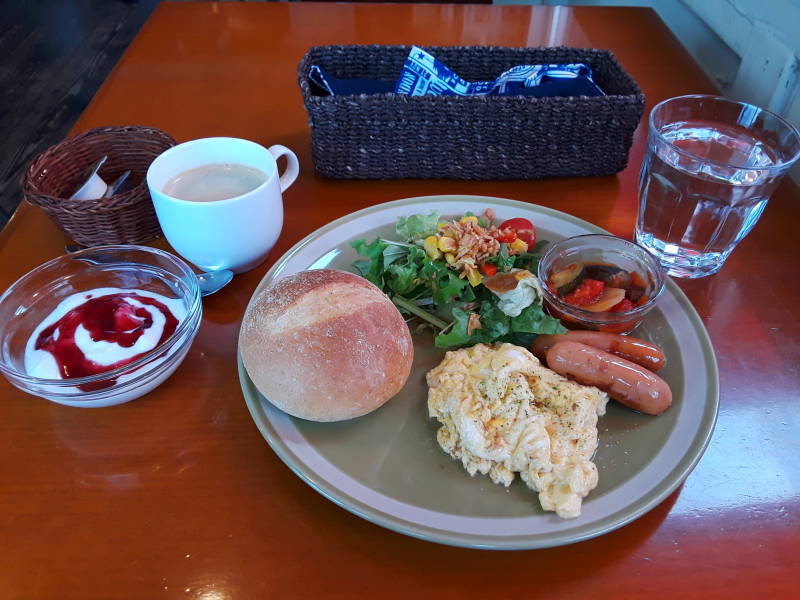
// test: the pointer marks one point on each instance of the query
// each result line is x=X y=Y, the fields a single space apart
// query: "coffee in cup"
x=218 y=200
x=215 y=181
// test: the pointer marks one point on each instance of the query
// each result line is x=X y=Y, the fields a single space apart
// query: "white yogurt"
x=40 y=363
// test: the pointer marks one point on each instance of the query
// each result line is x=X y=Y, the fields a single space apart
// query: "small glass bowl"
x=34 y=296
x=605 y=249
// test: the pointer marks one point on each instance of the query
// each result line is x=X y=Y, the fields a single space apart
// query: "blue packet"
x=422 y=74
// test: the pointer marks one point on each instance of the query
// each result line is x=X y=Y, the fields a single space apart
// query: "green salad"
x=468 y=279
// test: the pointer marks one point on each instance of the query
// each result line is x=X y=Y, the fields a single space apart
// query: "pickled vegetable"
x=599 y=287
x=567 y=279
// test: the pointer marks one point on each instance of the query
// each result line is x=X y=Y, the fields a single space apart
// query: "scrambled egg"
x=503 y=413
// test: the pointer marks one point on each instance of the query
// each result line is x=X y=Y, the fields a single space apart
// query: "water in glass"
x=702 y=188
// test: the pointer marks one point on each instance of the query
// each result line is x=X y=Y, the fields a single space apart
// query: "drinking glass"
x=711 y=165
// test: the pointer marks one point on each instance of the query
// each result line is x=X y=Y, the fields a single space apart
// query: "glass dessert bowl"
x=99 y=327
x=600 y=282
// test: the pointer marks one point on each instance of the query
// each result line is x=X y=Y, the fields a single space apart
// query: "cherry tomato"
x=587 y=292
x=506 y=236
x=528 y=236
x=488 y=269
x=623 y=305
x=516 y=224
x=523 y=228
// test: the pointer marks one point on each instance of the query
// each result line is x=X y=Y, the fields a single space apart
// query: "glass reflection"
x=748 y=464
x=326 y=260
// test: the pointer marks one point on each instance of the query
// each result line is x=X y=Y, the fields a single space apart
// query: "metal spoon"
x=213 y=281
x=209 y=281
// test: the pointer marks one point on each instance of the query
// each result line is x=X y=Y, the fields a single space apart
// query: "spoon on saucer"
x=213 y=281
x=209 y=282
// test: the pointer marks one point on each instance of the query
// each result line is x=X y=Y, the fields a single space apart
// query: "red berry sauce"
x=107 y=318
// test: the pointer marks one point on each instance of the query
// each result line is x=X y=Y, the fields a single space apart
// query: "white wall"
x=764 y=34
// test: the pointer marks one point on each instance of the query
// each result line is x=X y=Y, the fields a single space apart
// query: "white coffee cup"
x=234 y=233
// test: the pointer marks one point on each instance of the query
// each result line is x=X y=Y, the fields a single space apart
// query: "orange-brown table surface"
x=177 y=494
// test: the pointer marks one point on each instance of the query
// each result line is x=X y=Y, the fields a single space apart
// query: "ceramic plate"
x=387 y=467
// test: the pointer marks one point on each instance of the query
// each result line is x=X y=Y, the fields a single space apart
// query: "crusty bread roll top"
x=325 y=345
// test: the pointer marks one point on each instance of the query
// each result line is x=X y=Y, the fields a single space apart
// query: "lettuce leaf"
x=496 y=326
x=417 y=227
x=402 y=278
x=457 y=335
x=393 y=253
x=446 y=286
x=372 y=269
x=533 y=319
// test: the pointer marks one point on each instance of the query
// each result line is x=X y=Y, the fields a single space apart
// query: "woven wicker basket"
x=54 y=175
x=394 y=136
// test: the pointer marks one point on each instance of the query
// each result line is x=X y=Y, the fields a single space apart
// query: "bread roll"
x=325 y=345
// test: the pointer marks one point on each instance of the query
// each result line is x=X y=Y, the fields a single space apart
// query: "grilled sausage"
x=626 y=382
x=633 y=349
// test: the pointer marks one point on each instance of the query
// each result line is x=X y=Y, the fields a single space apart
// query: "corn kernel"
x=469 y=219
x=474 y=277
x=495 y=422
x=447 y=244
x=430 y=247
x=518 y=246
x=447 y=231
x=450 y=258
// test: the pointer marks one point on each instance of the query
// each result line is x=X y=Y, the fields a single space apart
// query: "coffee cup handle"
x=292 y=165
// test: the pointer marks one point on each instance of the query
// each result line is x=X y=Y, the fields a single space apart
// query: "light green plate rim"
x=625 y=515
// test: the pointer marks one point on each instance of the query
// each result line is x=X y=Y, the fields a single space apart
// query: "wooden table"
x=177 y=494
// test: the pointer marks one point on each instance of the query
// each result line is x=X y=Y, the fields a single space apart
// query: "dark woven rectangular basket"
x=395 y=136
